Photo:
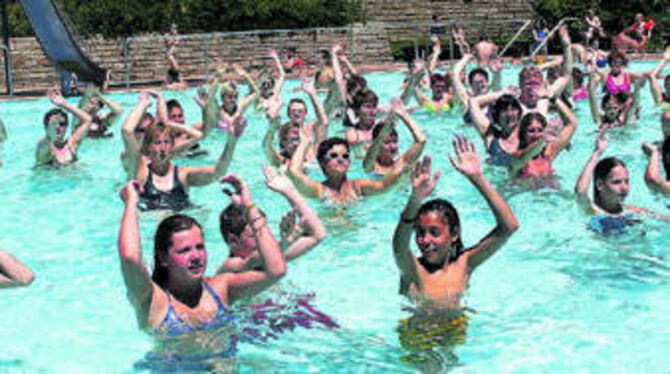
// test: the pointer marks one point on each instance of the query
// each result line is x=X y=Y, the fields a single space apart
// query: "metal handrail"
x=8 y=69
x=515 y=37
x=551 y=33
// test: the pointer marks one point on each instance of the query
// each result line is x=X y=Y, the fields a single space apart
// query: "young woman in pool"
x=478 y=79
x=381 y=157
x=617 y=79
x=610 y=188
x=55 y=148
x=92 y=102
x=442 y=94
x=298 y=238
x=289 y=132
x=177 y=298
x=537 y=149
x=652 y=174
x=615 y=110
x=137 y=124
x=232 y=110
x=436 y=280
x=365 y=110
x=333 y=157
x=13 y=273
x=500 y=131
x=268 y=89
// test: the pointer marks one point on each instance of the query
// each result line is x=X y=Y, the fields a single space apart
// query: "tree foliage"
x=112 y=18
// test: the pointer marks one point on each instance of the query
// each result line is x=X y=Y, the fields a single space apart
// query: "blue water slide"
x=59 y=42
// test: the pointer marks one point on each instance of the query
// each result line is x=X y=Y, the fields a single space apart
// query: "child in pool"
x=437 y=279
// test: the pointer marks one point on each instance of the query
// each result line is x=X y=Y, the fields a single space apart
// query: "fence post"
x=126 y=58
x=416 y=43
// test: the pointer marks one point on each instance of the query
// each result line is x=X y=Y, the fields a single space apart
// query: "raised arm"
x=422 y=186
x=116 y=109
x=655 y=87
x=568 y=130
x=376 y=146
x=276 y=90
x=459 y=87
x=193 y=135
x=131 y=145
x=251 y=282
x=479 y=118
x=321 y=129
x=467 y=163
x=139 y=286
x=246 y=102
x=338 y=77
x=271 y=154
x=79 y=133
x=584 y=181
x=204 y=175
x=13 y=273
x=415 y=150
x=305 y=184
x=435 y=56
x=652 y=174
x=593 y=99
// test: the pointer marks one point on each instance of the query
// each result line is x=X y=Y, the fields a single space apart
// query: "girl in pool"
x=652 y=175
x=442 y=94
x=437 y=279
x=178 y=300
x=232 y=110
x=268 y=89
x=617 y=79
x=610 y=189
x=365 y=110
x=13 y=273
x=54 y=148
x=381 y=157
x=137 y=124
x=500 y=133
x=92 y=102
x=536 y=151
x=333 y=157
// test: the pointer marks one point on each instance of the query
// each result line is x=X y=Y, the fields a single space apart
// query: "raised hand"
x=603 y=139
x=467 y=159
x=56 y=97
x=273 y=107
x=240 y=194
x=201 y=98
x=130 y=194
x=277 y=180
x=422 y=182
x=290 y=226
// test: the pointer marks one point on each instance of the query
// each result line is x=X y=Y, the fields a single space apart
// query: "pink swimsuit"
x=614 y=88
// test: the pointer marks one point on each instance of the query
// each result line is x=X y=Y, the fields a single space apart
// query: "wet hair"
x=325 y=146
x=526 y=121
x=356 y=83
x=163 y=242
x=232 y=220
x=617 y=55
x=364 y=96
x=295 y=101
x=438 y=78
x=154 y=131
x=503 y=102
x=54 y=112
x=602 y=170
x=283 y=131
x=379 y=127
x=527 y=72
x=173 y=103
x=449 y=217
x=476 y=71
x=665 y=157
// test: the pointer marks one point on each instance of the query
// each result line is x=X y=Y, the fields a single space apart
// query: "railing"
x=551 y=33
x=515 y=37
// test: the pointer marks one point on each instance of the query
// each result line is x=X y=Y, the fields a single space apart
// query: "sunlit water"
x=557 y=296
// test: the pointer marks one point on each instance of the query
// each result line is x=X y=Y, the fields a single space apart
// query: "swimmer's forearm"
x=310 y=219
x=268 y=247
x=582 y=186
x=652 y=174
x=13 y=272
x=79 y=113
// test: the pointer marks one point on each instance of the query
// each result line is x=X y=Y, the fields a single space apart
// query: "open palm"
x=467 y=159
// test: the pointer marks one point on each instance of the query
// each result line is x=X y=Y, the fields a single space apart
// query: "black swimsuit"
x=152 y=198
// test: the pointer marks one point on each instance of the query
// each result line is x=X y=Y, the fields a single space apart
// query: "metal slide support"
x=515 y=37
x=6 y=51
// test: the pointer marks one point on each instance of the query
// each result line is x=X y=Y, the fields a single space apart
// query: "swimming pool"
x=556 y=297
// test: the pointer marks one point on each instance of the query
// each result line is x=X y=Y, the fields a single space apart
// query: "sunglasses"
x=333 y=155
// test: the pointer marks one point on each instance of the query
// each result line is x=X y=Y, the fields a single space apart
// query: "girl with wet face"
x=437 y=278
x=610 y=188
x=55 y=148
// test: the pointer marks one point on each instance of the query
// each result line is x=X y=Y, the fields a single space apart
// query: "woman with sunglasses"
x=334 y=160
x=55 y=148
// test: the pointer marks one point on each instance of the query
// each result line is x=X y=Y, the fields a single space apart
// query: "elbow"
x=512 y=226
x=26 y=279
x=320 y=234
x=278 y=271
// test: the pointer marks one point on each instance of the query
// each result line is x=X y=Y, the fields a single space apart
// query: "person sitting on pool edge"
x=54 y=148
x=437 y=280
x=177 y=299
x=13 y=273
x=333 y=157
x=298 y=239
x=381 y=157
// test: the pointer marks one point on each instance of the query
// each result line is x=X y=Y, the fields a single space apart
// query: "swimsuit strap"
x=219 y=303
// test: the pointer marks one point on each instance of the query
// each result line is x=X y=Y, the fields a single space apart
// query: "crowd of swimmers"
x=523 y=129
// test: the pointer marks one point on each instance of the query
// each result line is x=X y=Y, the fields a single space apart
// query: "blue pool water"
x=556 y=298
